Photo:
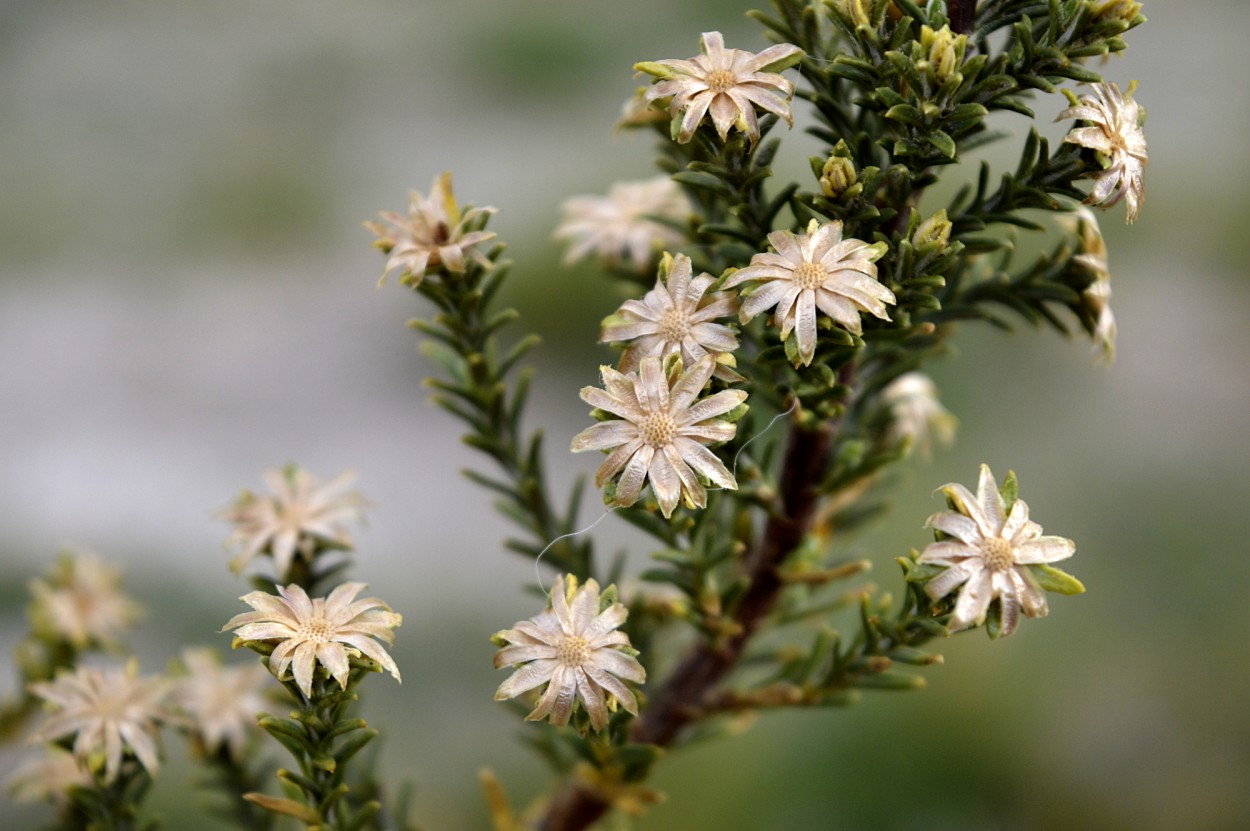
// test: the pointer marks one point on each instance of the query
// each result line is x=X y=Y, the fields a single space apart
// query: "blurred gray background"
x=187 y=298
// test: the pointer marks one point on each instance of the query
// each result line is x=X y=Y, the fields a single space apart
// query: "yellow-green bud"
x=856 y=11
x=944 y=50
x=838 y=175
x=934 y=231
x=1126 y=10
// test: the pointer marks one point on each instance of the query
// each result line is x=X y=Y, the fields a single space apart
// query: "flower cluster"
x=1115 y=134
x=305 y=632
x=630 y=223
x=82 y=602
x=299 y=516
x=433 y=235
x=110 y=713
x=987 y=548
x=725 y=84
x=576 y=649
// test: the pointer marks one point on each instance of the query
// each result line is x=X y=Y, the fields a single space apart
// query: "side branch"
x=682 y=699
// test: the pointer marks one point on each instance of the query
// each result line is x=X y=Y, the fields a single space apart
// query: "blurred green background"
x=187 y=298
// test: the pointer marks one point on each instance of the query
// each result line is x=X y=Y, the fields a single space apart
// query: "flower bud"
x=934 y=231
x=944 y=50
x=1125 y=10
x=838 y=175
x=858 y=11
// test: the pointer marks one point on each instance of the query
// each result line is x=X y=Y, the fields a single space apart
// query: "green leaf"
x=1056 y=580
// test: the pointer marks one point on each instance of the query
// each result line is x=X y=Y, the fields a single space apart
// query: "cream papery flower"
x=47 y=778
x=917 y=414
x=109 y=712
x=727 y=84
x=221 y=701
x=82 y=602
x=1097 y=295
x=324 y=630
x=1116 y=134
x=576 y=649
x=660 y=431
x=433 y=235
x=300 y=515
x=621 y=226
x=676 y=318
x=814 y=271
x=987 y=553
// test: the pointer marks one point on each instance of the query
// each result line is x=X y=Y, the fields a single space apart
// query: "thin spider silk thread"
x=538 y=577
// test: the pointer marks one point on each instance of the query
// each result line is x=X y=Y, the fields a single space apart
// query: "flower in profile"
x=300 y=516
x=576 y=649
x=433 y=235
x=1115 y=133
x=660 y=431
x=323 y=630
x=222 y=702
x=82 y=602
x=48 y=778
x=814 y=271
x=677 y=317
x=987 y=552
x=917 y=415
x=625 y=224
x=1097 y=295
x=109 y=712
x=727 y=84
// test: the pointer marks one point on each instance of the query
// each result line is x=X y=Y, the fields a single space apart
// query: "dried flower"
x=302 y=515
x=814 y=271
x=221 y=701
x=82 y=602
x=1116 y=135
x=918 y=416
x=576 y=649
x=325 y=630
x=109 y=712
x=676 y=318
x=988 y=553
x=433 y=235
x=660 y=432
x=1097 y=295
x=620 y=225
x=48 y=778
x=728 y=84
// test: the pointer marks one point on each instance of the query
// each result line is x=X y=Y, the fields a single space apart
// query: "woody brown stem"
x=682 y=699
x=961 y=14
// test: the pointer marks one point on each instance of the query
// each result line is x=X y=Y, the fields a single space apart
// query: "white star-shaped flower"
x=302 y=514
x=48 y=778
x=677 y=317
x=987 y=553
x=323 y=630
x=623 y=225
x=109 y=712
x=1097 y=296
x=918 y=416
x=221 y=701
x=82 y=602
x=660 y=432
x=433 y=235
x=727 y=84
x=816 y=271
x=1116 y=134
x=577 y=650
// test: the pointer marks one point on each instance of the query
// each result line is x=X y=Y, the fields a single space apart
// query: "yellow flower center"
x=674 y=325
x=719 y=80
x=998 y=554
x=809 y=275
x=573 y=651
x=317 y=629
x=657 y=429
